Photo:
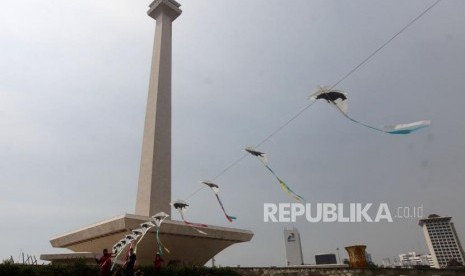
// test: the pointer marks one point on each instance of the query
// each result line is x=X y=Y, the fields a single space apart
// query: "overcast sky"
x=73 y=90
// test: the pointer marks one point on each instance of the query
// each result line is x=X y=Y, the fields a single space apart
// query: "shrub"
x=79 y=268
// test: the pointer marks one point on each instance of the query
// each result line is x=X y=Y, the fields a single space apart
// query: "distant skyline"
x=73 y=90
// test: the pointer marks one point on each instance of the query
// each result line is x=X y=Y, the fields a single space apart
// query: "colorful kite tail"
x=158 y=243
x=290 y=191
x=191 y=224
x=285 y=187
x=161 y=246
x=268 y=167
x=193 y=227
x=195 y=224
x=140 y=239
x=230 y=218
x=365 y=125
x=166 y=249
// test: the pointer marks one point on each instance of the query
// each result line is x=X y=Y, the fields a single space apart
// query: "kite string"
x=218 y=175
x=285 y=124
x=237 y=161
x=370 y=56
x=332 y=87
x=363 y=124
x=385 y=44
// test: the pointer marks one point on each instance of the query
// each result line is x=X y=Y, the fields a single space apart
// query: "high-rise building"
x=293 y=247
x=442 y=240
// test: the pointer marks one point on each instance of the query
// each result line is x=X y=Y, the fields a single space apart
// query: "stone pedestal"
x=187 y=246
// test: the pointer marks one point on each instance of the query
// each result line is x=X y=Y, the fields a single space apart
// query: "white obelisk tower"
x=154 y=190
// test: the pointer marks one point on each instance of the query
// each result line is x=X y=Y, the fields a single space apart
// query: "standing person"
x=105 y=263
x=157 y=263
x=130 y=262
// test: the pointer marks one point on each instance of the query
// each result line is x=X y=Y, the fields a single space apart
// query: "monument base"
x=70 y=258
x=187 y=246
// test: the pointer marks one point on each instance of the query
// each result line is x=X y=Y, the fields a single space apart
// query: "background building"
x=321 y=259
x=412 y=259
x=368 y=257
x=387 y=263
x=442 y=240
x=293 y=247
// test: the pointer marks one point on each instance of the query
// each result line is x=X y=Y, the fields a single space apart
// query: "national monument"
x=154 y=189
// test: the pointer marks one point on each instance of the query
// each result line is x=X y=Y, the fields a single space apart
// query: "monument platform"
x=187 y=246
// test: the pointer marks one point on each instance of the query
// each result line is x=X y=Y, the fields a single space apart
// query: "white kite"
x=339 y=100
x=181 y=207
x=158 y=219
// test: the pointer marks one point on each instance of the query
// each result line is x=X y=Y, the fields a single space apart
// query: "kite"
x=137 y=232
x=407 y=128
x=158 y=219
x=339 y=100
x=122 y=244
x=336 y=98
x=262 y=157
x=116 y=247
x=181 y=206
x=216 y=190
x=119 y=246
x=145 y=227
